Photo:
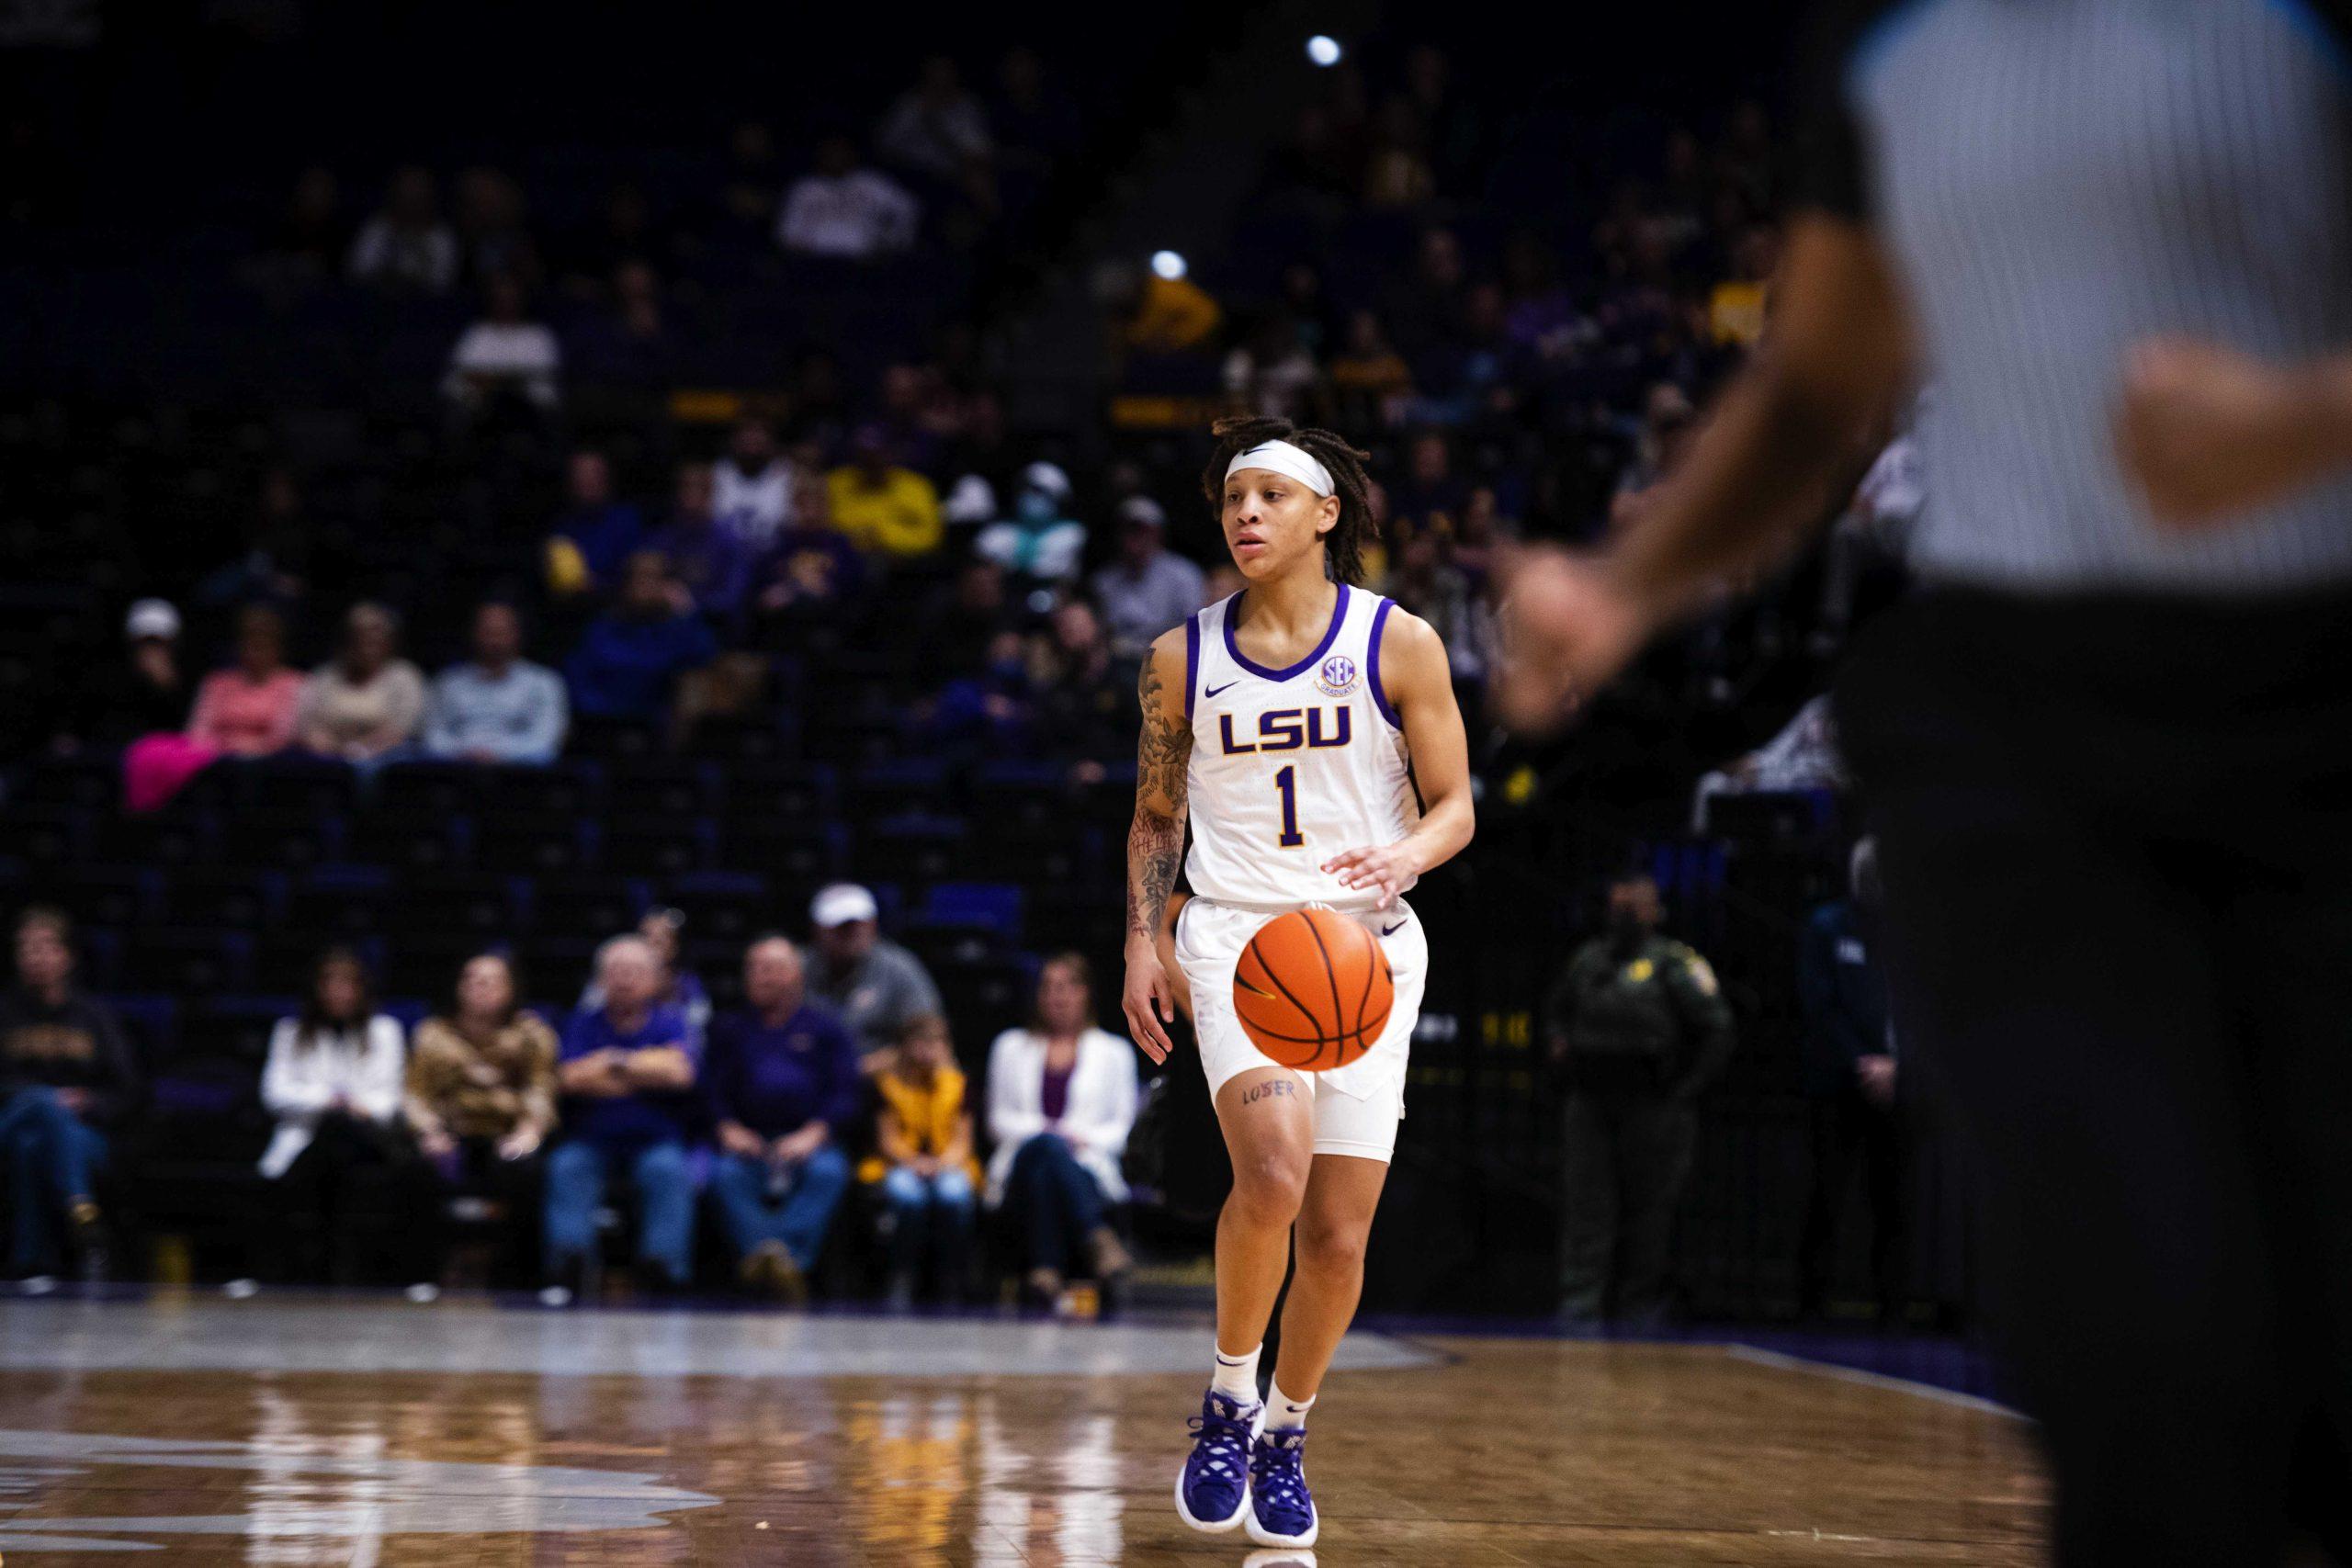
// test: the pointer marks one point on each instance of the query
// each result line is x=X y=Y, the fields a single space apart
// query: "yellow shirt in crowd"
x=899 y=517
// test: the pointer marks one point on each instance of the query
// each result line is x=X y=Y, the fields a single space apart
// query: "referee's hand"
x=1567 y=628
x=2207 y=434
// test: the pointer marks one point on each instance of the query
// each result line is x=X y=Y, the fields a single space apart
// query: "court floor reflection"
x=1482 y=1452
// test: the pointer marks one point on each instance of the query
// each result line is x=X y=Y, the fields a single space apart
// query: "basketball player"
x=1309 y=729
x=2107 y=749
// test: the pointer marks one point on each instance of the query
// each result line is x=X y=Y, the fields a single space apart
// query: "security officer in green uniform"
x=1638 y=1027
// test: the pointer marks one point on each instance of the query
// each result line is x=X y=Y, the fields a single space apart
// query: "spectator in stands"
x=312 y=236
x=493 y=237
x=629 y=342
x=1370 y=381
x=814 y=581
x=627 y=1071
x=1420 y=579
x=782 y=1077
x=1736 y=310
x=1035 y=122
x=747 y=199
x=754 y=487
x=1430 y=495
x=937 y=127
x=480 y=1095
x=872 y=982
x=991 y=711
x=1637 y=1028
x=1149 y=589
x=500 y=707
x=1062 y=1097
x=276 y=552
x=710 y=564
x=924 y=1161
x=962 y=621
x=505 y=363
x=630 y=660
x=1397 y=171
x=1274 y=373
x=1668 y=421
x=67 y=1084
x=1155 y=315
x=406 y=247
x=1081 y=698
x=1038 y=545
x=1425 y=309
x=663 y=930
x=882 y=507
x=366 y=704
x=595 y=535
x=332 y=1081
x=250 y=709
x=845 y=211
x=144 y=694
x=1850 y=1078
x=1802 y=757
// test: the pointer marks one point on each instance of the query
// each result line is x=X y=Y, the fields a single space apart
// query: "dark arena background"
x=820 y=395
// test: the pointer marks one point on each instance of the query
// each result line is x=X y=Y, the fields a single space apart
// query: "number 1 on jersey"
x=1287 y=782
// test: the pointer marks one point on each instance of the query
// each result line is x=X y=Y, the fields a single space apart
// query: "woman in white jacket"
x=1061 y=1100
x=334 y=1081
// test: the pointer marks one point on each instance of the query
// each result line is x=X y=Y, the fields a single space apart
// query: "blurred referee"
x=2107 y=749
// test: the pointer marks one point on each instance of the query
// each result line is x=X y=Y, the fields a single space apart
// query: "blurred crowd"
x=483 y=1145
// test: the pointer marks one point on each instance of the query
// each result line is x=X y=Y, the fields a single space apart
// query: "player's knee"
x=1330 y=1246
x=1268 y=1187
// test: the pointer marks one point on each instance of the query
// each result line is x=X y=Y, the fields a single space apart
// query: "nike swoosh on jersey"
x=1392 y=931
x=1213 y=691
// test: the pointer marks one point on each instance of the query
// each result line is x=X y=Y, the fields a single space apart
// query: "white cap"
x=972 y=500
x=1144 y=511
x=840 y=904
x=1048 y=477
x=152 y=618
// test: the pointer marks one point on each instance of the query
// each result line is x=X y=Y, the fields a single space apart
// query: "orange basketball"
x=1313 y=990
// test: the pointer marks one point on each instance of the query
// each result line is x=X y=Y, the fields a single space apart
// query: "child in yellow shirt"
x=925 y=1166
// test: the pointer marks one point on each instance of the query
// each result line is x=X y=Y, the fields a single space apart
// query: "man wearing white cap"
x=872 y=982
x=144 y=694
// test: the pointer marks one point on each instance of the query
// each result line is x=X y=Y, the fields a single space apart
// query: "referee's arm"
x=1837 y=356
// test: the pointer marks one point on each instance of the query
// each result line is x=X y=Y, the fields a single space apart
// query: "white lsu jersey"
x=1293 y=766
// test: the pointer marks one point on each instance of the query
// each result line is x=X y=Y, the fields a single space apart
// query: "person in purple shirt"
x=782 y=1075
x=590 y=541
x=628 y=661
x=706 y=559
x=627 y=1071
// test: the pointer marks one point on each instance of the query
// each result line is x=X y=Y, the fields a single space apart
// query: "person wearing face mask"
x=1639 y=1027
x=1037 y=544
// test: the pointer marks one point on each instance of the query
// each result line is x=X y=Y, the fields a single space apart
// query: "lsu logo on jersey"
x=1289 y=730
x=1337 y=676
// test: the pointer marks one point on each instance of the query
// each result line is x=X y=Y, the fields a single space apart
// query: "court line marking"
x=1776 y=1359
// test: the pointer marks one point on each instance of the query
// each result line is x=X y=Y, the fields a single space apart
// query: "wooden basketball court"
x=291 y=1432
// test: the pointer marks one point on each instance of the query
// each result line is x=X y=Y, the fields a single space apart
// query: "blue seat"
x=994 y=908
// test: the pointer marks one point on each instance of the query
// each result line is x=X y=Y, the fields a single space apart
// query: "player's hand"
x=2206 y=432
x=1149 y=1001
x=1567 y=628
x=1385 y=867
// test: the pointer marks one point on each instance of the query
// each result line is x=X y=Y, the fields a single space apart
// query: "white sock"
x=1236 y=1377
x=1283 y=1412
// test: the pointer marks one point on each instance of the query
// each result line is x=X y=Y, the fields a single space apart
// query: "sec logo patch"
x=1337 y=676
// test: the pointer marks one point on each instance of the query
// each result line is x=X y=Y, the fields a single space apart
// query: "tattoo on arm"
x=1155 y=840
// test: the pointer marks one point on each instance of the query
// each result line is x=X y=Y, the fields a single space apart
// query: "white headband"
x=1284 y=458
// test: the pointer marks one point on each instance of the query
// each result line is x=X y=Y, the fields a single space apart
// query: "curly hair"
x=1344 y=546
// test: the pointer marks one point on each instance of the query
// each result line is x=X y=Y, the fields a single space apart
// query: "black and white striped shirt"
x=2059 y=179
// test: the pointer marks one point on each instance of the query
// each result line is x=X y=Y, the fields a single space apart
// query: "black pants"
x=350 y=1204
x=510 y=1190
x=2116 y=837
x=1852 y=1134
x=1626 y=1158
